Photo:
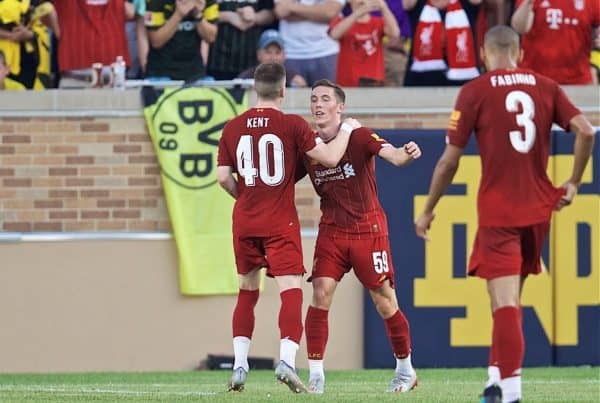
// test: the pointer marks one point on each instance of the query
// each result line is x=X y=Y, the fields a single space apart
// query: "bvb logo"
x=188 y=124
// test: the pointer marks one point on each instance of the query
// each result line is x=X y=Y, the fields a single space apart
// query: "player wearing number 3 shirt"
x=261 y=147
x=353 y=234
x=511 y=111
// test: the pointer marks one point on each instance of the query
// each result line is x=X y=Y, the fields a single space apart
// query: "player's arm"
x=522 y=19
x=402 y=155
x=226 y=180
x=582 y=150
x=443 y=174
x=331 y=153
x=322 y=12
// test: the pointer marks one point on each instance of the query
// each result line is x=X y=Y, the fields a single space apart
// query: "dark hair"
x=268 y=80
x=340 y=95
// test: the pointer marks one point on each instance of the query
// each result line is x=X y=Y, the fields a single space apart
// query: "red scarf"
x=455 y=33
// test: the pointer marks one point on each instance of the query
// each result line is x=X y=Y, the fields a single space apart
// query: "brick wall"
x=100 y=174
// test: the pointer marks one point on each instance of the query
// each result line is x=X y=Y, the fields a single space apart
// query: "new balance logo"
x=348 y=170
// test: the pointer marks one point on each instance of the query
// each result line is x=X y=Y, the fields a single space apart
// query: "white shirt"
x=308 y=39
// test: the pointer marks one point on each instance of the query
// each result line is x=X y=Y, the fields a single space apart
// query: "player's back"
x=262 y=145
x=513 y=115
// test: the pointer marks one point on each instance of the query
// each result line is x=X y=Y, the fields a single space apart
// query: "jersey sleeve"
x=462 y=119
x=305 y=137
x=211 y=11
x=300 y=167
x=564 y=110
x=155 y=14
x=223 y=156
x=369 y=141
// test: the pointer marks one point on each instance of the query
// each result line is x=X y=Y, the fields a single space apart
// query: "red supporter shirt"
x=262 y=147
x=361 y=52
x=560 y=40
x=91 y=31
x=512 y=112
x=349 y=201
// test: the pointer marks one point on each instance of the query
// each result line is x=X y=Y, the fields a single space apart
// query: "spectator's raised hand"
x=183 y=7
x=22 y=33
x=283 y=8
x=247 y=14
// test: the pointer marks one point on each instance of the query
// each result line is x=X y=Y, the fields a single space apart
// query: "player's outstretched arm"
x=402 y=155
x=331 y=153
x=226 y=180
x=584 y=144
x=443 y=174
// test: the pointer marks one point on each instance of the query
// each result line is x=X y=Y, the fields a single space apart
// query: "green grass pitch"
x=567 y=384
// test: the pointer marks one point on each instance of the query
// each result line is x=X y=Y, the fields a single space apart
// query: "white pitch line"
x=34 y=388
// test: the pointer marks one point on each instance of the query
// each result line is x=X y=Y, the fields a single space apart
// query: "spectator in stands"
x=443 y=50
x=557 y=37
x=92 y=31
x=395 y=52
x=271 y=50
x=303 y=25
x=6 y=83
x=240 y=25
x=176 y=29
x=43 y=21
x=137 y=40
x=17 y=41
x=360 y=61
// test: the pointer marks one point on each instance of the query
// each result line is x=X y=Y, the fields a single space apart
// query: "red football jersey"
x=560 y=40
x=361 y=52
x=349 y=201
x=511 y=112
x=262 y=146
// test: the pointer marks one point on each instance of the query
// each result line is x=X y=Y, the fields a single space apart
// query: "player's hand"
x=355 y=124
x=567 y=199
x=412 y=150
x=422 y=224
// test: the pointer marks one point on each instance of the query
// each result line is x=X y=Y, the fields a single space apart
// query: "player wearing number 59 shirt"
x=511 y=111
x=353 y=234
x=261 y=146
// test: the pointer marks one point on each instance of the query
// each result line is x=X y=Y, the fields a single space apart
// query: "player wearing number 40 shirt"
x=261 y=146
x=511 y=111
x=353 y=234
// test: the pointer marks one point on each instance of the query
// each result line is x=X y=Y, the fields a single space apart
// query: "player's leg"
x=511 y=346
x=507 y=333
x=398 y=332
x=330 y=264
x=284 y=254
x=372 y=262
x=243 y=327
x=497 y=258
x=317 y=330
x=249 y=259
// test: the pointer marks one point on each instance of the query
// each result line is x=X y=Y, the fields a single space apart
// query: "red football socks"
x=398 y=332
x=290 y=315
x=507 y=339
x=317 y=332
x=243 y=314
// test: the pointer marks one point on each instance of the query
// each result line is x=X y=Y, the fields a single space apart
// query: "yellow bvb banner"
x=185 y=125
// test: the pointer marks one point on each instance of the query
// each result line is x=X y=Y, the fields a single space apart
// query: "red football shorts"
x=507 y=251
x=280 y=254
x=370 y=258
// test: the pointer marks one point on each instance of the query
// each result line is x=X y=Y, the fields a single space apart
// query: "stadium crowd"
x=56 y=43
